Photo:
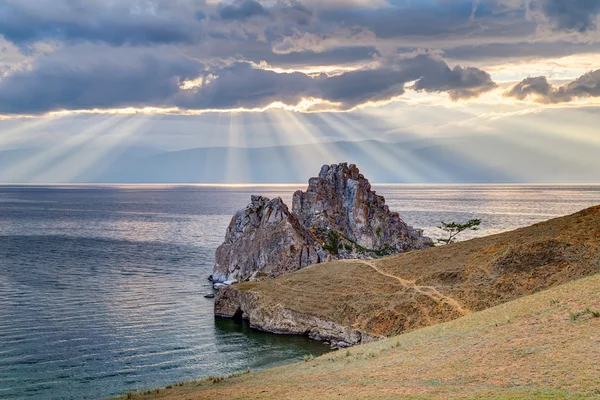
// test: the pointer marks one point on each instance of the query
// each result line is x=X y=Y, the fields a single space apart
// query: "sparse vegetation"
x=454 y=229
x=573 y=316
x=463 y=358
x=334 y=241
x=333 y=246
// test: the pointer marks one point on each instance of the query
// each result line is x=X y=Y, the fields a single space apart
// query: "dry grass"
x=531 y=347
x=527 y=348
x=442 y=282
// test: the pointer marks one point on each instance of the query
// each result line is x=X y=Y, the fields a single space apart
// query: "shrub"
x=216 y=379
x=592 y=313
x=333 y=244
x=588 y=311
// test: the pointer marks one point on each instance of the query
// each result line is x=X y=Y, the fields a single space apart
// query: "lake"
x=102 y=287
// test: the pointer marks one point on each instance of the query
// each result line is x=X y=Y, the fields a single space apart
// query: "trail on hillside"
x=428 y=291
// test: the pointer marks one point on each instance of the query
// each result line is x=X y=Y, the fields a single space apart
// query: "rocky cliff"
x=338 y=217
x=275 y=318
x=340 y=199
x=265 y=239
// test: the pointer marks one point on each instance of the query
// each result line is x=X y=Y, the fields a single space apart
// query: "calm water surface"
x=101 y=288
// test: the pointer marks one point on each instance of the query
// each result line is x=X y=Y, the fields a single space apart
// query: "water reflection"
x=262 y=349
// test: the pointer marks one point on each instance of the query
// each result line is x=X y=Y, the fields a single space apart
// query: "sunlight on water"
x=102 y=288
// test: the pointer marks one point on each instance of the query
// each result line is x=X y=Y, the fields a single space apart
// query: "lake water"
x=102 y=287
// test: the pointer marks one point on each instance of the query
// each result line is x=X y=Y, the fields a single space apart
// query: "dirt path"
x=428 y=291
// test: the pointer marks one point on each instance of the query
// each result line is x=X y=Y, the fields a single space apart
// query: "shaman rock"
x=337 y=217
x=340 y=199
x=266 y=239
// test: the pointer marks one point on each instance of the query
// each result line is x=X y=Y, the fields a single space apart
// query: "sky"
x=82 y=80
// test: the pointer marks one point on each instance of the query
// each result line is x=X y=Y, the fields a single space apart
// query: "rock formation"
x=265 y=239
x=340 y=199
x=275 y=318
x=338 y=217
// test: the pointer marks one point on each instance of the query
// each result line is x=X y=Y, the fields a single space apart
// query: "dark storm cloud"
x=242 y=86
x=147 y=47
x=242 y=9
x=140 y=78
x=25 y=22
x=259 y=30
x=100 y=78
x=568 y=15
x=542 y=91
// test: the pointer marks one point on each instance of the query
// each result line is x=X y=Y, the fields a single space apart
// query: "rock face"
x=264 y=239
x=340 y=199
x=338 y=217
x=274 y=318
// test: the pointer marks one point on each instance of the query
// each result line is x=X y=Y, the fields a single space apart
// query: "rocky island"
x=337 y=217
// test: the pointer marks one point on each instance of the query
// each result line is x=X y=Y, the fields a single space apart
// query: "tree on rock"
x=453 y=229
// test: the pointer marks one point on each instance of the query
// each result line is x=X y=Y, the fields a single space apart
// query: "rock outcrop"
x=265 y=239
x=275 y=318
x=338 y=217
x=340 y=199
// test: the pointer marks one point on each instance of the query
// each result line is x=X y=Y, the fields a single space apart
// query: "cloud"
x=99 y=77
x=542 y=91
x=459 y=82
x=107 y=78
x=223 y=41
x=24 y=22
x=242 y=9
x=308 y=42
x=243 y=86
x=566 y=15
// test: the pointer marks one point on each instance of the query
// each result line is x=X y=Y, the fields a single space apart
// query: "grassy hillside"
x=395 y=294
x=543 y=346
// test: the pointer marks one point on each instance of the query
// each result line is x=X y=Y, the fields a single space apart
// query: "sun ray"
x=9 y=137
x=96 y=154
x=35 y=165
x=236 y=164
x=309 y=134
x=398 y=166
x=285 y=163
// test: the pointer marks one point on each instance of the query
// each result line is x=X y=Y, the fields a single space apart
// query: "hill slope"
x=534 y=347
x=352 y=302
